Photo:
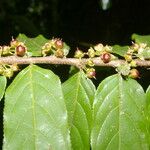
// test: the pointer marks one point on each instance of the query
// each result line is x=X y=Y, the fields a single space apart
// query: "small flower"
x=123 y=69
x=14 y=67
x=91 y=52
x=13 y=43
x=134 y=73
x=99 y=47
x=108 y=48
x=78 y=54
x=90 y=63
x=5 y=50
x=133 y=63
x=128 y=57
x=90 y=72
x=8 y=72
x=59 y=44
x=59 y=53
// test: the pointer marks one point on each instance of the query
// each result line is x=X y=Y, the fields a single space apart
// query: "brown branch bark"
x=67 y=61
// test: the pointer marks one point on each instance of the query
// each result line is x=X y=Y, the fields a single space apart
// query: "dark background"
x=79 y=23
x=75 y=21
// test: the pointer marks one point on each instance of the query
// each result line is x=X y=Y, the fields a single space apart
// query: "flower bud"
x=8 y=73
x=59 y=44
x=90 y=63
x=14 y=67
x=134 y=73
x=128 y=57
x=13 y=43
x=78 y=54
x=91 y=52
x=5 y=50
x=106 y=57
x=90 y=72
x=59 y=53
x=1 y=69
x=20 y=50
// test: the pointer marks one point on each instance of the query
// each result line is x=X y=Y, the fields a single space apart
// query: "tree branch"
x=67 y=61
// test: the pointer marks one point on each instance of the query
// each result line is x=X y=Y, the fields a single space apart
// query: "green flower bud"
x=1 y=69
x=108 y=48
x=133 y=63
x=5 y=50
x=14 y=67
x=99 y=47
x=128 y=57
x=78 y=54
x=8 y=72
x=90 y=63
x=59 y=53
x=91 y=52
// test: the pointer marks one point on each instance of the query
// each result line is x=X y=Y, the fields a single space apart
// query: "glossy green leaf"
x=34 y=45
x=141 y=39
x=79 y=93
x=35 y=116
x=120 y=50
x=119 y=116
x=3 y=82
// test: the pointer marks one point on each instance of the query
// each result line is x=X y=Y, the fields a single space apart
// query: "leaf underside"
x=34 y=45
x=120 y=50
x=141 y=38
x=119 y=120
x=35 y=116
x=79 y=94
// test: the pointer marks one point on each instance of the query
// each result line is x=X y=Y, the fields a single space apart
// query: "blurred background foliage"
x=77 y=22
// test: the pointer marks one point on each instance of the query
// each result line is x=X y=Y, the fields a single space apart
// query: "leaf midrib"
x=75 y=104
x=119 y=105
x=33 y=108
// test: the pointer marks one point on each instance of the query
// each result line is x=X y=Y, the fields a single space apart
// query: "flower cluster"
x=8 y=70
x=138 y=50
x=135 y=51
x=15 y=48
x=55 y=47
x=99 y=50
x=96 y=51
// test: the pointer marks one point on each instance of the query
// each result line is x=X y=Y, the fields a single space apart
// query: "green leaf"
x=3 y=82
x=34 y=45
x=35 y=116
x=148 y=94
x=119 y=116
x=148 y=109
x=141 y=38
x=120 y=50
x=79 y=94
